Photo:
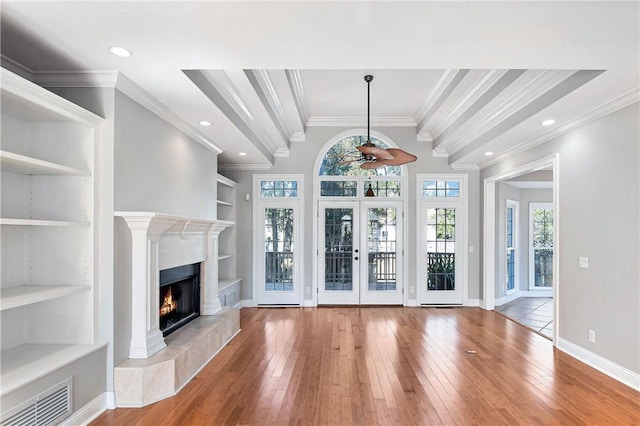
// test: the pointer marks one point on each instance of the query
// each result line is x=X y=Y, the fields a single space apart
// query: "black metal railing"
x=441 y=271
x=278 y=269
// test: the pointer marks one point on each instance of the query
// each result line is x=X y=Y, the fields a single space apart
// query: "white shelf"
x=27 y=294
x=226 y=181
x=37 y=222
x=224 y=203
x=222 y=256
x=22 y=164
x=28 y=362
x=224 y=284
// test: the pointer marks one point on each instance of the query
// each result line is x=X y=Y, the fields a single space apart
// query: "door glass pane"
x=511 y=258
x=441 y=245
x=338 y=258
x=278 y=249
x=542 y=247
x=381 y=246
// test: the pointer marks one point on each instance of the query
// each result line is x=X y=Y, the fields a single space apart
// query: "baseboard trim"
x=309 y=303
x=247 y=303
x=536 y=293
x=508 y=298
x=111 y=400
x=611 y=369
x=89 y=412
x=473 y=303
x=412 y=303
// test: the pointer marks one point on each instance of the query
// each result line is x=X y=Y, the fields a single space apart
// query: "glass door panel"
x=278 y=266
x=339 y=262
x=383 y=238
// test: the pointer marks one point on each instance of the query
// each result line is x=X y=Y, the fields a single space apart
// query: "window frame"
x=532 y=272
x=515 y=205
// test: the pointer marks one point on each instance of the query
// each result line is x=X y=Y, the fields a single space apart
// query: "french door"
x=360 y=253
x=440 y=256
x=279 y=253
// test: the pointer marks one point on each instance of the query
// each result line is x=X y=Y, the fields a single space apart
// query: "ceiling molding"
x=463 y=166
x=260 y=166
x=533 y=98
x=440 y=153
x=281 y=152
x=472 y=101
x=16 y=67
x=529 y=184
x=220 y=90
x=594 y=114
x=115 y=79
x=297 y=89
x=424 y=136
x=441 y=91
x=267 y=94
x=297 y=137
x=336 y=121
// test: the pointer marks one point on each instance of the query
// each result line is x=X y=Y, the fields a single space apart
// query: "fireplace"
x=179 y=297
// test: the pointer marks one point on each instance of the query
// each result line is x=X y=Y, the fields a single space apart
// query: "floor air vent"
x=47 y=408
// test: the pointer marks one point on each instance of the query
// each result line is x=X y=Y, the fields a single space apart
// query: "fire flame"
x=169 y=304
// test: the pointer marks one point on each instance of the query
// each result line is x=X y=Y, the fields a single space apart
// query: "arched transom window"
x=341 y=176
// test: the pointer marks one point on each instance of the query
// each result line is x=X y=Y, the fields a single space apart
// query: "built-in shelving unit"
x=229 y=292
x=47 y=233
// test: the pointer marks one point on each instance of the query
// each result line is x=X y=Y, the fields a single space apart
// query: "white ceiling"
x=470 y=76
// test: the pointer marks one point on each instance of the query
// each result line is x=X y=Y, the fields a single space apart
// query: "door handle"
x=356 y=250
x=356 y=258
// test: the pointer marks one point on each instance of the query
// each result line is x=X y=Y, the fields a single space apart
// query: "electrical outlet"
x=583 y=262
x=592 y=336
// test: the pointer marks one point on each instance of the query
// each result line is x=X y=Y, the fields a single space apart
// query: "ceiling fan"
x=374 y=157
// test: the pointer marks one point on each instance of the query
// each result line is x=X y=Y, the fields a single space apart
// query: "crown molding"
x=115 y=79
x=16 y=67
x=281 y=152
x=468 y=99
x=335 y=121
x=297 y=137
x=542 y=84
x=440 y=152
x=424 y=136
x=443 y=88
x=463 y=166
x=297 y=89
x=244 y=166
x=616 y=104
x=267 y=94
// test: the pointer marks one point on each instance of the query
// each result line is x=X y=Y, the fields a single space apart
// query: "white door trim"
x=489 y=227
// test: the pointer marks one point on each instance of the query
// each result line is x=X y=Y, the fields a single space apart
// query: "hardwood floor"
x=388 y=365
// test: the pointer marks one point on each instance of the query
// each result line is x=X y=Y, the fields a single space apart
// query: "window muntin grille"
x=383 y=189
x=432 y=188
x=441 y=245
x=278 y=188
x=343 y=159
x=278 y=249
x=338 y=188
x=510 y=249
x=381 y=245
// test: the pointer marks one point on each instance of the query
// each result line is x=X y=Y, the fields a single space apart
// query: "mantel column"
x=210 y=300
x=146 y=338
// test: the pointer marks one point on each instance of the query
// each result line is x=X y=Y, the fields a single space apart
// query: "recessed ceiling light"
x=205 y=123
x=242 y=154
x=120 y=51
x=548 y=122
x=488 y=153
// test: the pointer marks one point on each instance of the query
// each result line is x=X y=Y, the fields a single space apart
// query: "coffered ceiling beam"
x=441 y=91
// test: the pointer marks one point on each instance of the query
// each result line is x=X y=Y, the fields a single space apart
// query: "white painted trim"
x=508 y=298
x=16 y=68
x=247 y=303
x=297 y=90
x=273 y=101
x=473 y=303
x=543 y=83
x=424 y=136
x=489 y=245
x=462 y=203
x=610 y=368
x=464 y=166
x=299 y=229
x=594 y=114
x=309 y=303
x=297 y=137
x=105 y=78
x=281 y=152
x=357 y=121
x=439 y=153
x=424 y=110
x=537 y=293
x=412 y=303
x=89 y=412
x=254 y=166
x=516 y=246
x=111 y=400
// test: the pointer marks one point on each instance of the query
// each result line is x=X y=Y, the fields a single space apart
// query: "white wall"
x=599 y=187
x=301 y=160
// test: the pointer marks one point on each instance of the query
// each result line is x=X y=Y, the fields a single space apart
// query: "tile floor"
x=533 y=312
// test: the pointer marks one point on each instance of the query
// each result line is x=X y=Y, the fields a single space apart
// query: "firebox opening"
x=179 y=297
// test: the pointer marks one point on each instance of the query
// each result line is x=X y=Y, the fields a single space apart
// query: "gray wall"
x=599 y=187
x=159 y=169
x=302 y=158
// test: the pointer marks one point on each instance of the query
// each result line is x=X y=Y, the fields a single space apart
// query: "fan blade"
x=345 y=162
x=399 y=157
x=372 y=165
x=379 y=153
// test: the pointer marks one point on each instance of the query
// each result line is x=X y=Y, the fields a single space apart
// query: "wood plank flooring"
x=389 y=365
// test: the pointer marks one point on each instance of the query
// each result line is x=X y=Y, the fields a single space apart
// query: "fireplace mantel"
x=147 y=231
